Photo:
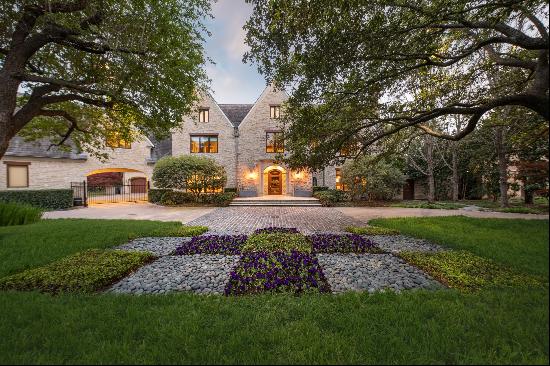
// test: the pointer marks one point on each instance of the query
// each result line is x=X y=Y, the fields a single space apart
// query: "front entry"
x=274 y=182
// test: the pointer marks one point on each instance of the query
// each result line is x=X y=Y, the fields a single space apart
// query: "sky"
x=232 y=81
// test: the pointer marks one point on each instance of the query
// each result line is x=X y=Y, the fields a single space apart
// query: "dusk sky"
x=232 y=80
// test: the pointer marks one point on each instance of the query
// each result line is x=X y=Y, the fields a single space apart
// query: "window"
x=18 y=174
x=274 y=142
x=116 y=142
x=275 y=111
x=204 y=144
x=339 y=181
x=204 y=115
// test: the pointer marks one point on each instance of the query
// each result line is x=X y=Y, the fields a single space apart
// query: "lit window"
x=18 y=175
x=274 y=142
x=204 y=115
x=116 y=142
x=202 y=144
x=275 y=111
x=339 y=181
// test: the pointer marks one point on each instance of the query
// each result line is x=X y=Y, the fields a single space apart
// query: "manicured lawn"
x=490 y=326
x=27 y=246
x=522 y=244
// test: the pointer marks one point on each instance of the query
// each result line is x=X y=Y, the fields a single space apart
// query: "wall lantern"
x=298 y=175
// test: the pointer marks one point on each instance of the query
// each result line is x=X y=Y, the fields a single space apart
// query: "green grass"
x=521 y=244
x=444 y=327
x=28 y=246
x=18 y=214
x=524 y=210
x=371 y=230
x=425 y=204
x=87 y=271
x=496 y=326
x=468 y=272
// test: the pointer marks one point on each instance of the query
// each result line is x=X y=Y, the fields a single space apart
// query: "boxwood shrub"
x=48 y=199
x=319 y=188
x=330 y=197
x=170 y=197
x=155 y=194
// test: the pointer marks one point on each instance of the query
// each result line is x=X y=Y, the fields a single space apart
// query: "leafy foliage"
x=101 y=68
x=273 y=230
x=195 y=174
x=277 y=242
x=371 y=230
x=330 y=197
x=88 y=271
x=18 y=214
x=48 y=199
x=468 y=272
x=342 y=243
x=434 y=205
x=213 y=244
x=180 y=231
x=373 y=179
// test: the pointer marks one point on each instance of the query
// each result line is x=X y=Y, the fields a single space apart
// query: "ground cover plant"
x=432 y=205
x=342 y=243
x=180 y=231
x=273 y=230
x=263 y=271
x=87 y=271
x=29 y=246
x=213 y=244
x=519 y=244
x=469 y=272
x=371 y=230
x=18 y=214
x=277 y=242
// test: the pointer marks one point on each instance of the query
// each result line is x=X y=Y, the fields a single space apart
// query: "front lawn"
x=500 y=325
x=522 y=244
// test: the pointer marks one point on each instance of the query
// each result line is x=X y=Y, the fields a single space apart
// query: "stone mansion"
x=245 y=138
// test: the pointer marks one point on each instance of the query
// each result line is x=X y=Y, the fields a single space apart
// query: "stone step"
x=286 y=203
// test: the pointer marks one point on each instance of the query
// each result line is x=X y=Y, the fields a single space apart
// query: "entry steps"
x=311 y=202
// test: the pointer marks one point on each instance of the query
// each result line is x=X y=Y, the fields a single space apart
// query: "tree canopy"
x=91 y=69
x=363 y=71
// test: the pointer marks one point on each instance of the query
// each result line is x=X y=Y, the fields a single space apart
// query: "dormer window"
x=204 y=115
x=275 y=111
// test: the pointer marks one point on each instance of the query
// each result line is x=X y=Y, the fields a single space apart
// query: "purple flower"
x=342 y=243
x=273 y=230
x=213 y=244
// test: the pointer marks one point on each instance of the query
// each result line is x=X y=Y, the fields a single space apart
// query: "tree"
x=94 y=69
x=376 y=179
x=356 y=68
x=195 y=174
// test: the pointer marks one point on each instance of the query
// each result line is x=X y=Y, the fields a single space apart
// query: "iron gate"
x=85 y=194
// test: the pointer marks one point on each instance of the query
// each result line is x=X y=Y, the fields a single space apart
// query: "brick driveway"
x=247 y=219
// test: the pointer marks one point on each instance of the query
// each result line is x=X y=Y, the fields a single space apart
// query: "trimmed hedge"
x=48 y=199
x=319 y=188
x=168 y=197
x=230 y=190
x=331 y=196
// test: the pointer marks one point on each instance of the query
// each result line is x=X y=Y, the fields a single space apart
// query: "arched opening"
x=111 y=185
x=274 y=180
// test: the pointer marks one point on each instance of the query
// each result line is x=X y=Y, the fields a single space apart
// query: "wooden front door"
x=138 y=185
x=274 y=182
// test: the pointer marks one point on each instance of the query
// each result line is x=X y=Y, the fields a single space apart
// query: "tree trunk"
x=502 y=165
x=454 y=179
x=430 y=168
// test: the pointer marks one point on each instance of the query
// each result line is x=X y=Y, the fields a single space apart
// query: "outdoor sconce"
x=298 y=175
x=251 y=175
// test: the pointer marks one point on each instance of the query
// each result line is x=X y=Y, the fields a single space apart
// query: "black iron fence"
x=85 y=194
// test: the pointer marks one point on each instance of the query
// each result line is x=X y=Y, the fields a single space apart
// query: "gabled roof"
x=161 y=148
x=41 y=149
x=235 y=112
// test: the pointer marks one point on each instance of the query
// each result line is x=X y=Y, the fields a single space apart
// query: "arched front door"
x=275 y=182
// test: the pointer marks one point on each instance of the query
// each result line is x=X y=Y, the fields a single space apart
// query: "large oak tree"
x=362 y=71
x=91 y=69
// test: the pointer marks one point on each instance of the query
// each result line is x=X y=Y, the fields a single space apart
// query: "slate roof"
x=162 y=148
x=41 y=149
x=235 y=112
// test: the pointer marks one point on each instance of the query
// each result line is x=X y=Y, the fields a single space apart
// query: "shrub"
x=374 y=179
x=172 y=198
x=259 y=272
x=319 y=188
x=213 y=244
x=48 y=199
x=371 y=230
x=222 y=199
x=342 y=243
x=468 y=272
x=88 y=271
x=277 y=242
x=181 y=231
x=18 y=214
x=230 y=190
x=155 y=194
x=330 y=197
x=195 y=174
